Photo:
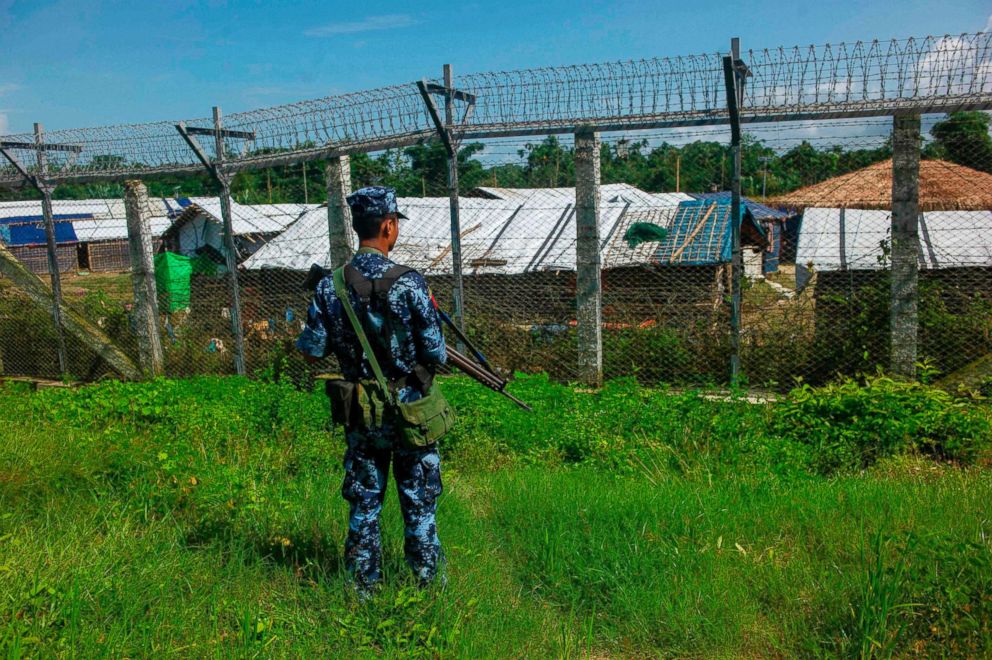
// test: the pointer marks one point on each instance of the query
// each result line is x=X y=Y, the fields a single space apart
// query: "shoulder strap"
x=361 y=284
x=381 y=286
x=342 y=292
x=366 y=287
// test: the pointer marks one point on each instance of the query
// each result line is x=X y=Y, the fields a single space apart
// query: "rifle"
x=480 y=370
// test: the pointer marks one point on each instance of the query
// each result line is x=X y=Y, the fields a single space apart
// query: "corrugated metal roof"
x=855 y=239
x=114 y=230
x=289 y=210
x=758 y=211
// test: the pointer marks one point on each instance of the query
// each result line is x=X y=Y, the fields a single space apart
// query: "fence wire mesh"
x=816 y=229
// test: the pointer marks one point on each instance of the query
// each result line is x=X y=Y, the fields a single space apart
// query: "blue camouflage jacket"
x=416 y=332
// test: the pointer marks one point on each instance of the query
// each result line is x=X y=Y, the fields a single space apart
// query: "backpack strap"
x=358 y=282
x=366 y=287
x=341 y=289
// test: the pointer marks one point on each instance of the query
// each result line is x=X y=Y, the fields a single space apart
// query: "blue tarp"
x=30 y=229
x=758 y=211
x=175 y=207
x=701 y=234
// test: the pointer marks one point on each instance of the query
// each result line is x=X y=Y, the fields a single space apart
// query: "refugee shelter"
x=781 y=235
x=844 y=255
x=519 y=266
x=90 y=234
x=199 y=228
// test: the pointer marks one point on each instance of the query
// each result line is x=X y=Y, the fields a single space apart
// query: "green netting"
x=172 y=274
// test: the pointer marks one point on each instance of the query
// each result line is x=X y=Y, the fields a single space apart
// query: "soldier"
x=403 y=330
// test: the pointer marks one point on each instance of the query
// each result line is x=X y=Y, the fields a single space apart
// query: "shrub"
x=850 y=425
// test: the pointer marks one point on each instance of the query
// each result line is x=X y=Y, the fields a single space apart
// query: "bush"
x=850 y=425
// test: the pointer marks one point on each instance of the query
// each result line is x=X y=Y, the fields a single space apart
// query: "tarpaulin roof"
x=612 y=193
x=96 y=219
x=701 y=233
x=857 y=239
x=245 y=219
x=525 y=233
x=30 y=230
x=759 y=211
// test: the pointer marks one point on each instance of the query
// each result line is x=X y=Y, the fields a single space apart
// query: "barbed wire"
x=928 y=74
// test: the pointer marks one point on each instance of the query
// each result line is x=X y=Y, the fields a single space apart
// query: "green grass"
x=203 y=518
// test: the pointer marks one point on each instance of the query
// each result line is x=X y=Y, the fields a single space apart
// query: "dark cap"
x=373 y=202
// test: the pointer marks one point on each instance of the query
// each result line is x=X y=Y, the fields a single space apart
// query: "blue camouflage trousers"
x=418 y=482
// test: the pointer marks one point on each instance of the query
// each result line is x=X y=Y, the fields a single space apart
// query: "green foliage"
x=850 y=425
x=963 y=138
x=201 y=517
x=923 y=592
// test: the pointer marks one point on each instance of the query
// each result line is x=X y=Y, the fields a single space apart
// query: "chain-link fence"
x=590 y=231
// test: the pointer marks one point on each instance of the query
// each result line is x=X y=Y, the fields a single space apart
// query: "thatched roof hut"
x=944 y=186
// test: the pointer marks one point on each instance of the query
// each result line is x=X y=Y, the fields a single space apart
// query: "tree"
x=963 y=138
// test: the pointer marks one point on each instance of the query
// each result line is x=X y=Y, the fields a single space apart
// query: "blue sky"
x=69 y=63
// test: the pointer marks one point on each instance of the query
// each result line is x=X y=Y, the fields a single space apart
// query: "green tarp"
x=644 y=232
x=172 y=273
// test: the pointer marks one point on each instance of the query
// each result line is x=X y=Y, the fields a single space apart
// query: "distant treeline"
x=699 y=166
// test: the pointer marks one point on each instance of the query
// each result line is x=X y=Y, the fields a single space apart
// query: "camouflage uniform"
x=416 y=339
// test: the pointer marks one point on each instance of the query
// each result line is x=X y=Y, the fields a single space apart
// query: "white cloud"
x=4 y=126
x=988 y=24
x=369 y=23
x=7 y=88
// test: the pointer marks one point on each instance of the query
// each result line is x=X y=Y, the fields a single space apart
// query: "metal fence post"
x=45 y=188
x=905 y=243
x=458 y=291
x=734 y=72
x=588 y=282
x=338 y=214
x=231 y=256
x=139 y=237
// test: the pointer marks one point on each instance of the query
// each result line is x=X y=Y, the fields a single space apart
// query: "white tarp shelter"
x=854 y=239
x=520 y=231
x=201 y=225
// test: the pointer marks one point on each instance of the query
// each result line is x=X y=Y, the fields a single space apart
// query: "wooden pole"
x=74 y=322
x=588 y=283
x=231 y=256
x=306 y=195
x=139 y=237
x=54 y=273
x=905 y=243
x=338 y=214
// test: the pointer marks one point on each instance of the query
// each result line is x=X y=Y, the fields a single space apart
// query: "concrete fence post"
x=905 y=243
x=338 y=214
x=588 y=283
x=140 y=248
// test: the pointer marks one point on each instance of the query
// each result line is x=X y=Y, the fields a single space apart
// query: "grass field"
x=203 y=518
